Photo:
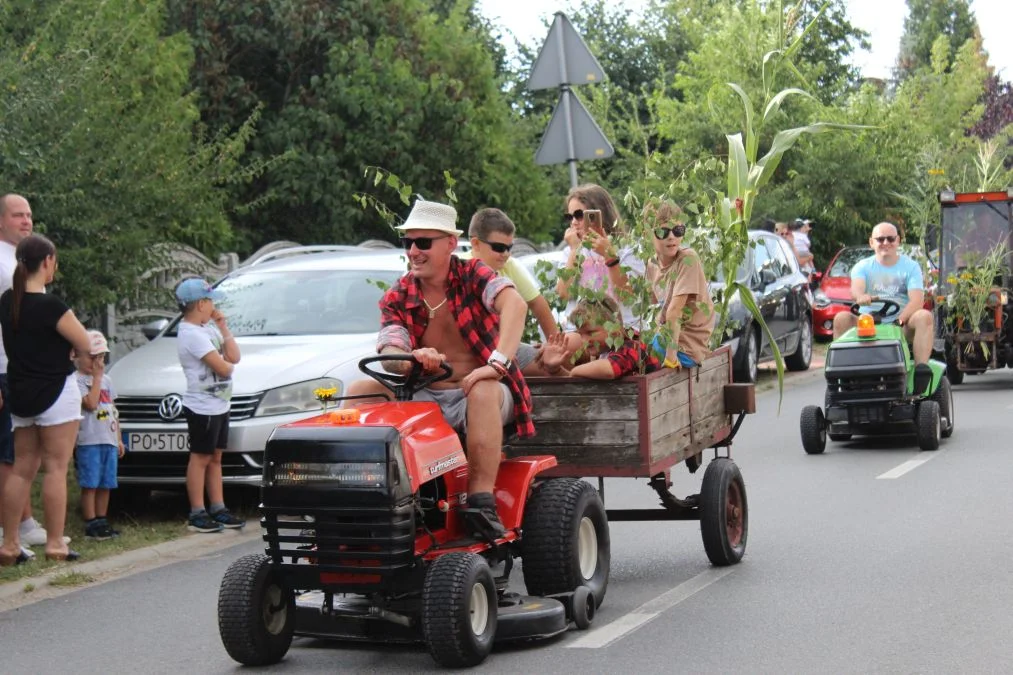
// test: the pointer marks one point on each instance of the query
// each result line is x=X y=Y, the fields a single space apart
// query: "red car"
x=833 y=294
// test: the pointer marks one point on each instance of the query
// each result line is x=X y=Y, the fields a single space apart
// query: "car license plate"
x=155 y=441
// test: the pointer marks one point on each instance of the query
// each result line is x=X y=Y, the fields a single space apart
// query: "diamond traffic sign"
x=572 y=134
x=564 y=59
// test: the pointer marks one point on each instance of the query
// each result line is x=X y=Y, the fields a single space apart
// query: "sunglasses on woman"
x=497 y=246
x=885 y=240
x=578 y=214
x=663 y=232
x=421 y=243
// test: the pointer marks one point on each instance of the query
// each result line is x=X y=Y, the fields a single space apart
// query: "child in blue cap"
x=208 y=354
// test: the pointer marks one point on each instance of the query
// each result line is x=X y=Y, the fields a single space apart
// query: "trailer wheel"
x=565 y=542
x=813 y=426
x=256 y=612
x=724 y=512
x=944 y=397
x=459 y=604
x=929 y=425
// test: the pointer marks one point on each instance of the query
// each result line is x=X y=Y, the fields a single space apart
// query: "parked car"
x=302 y=323
x=833 y=292
x=785 y=301
x=782 y=293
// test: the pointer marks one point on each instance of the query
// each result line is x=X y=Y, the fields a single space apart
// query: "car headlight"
x=350 y=474
x=296 y=398
x=821 y=300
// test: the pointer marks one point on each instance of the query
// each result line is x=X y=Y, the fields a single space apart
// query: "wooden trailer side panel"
x=637 y=426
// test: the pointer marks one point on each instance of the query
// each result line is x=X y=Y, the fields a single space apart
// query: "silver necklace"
x=432 y=310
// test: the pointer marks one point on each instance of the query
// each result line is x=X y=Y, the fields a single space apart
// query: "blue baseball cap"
x=192 y=290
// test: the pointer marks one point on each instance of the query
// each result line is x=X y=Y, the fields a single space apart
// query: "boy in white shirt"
x=99 y=445
x=208 y=353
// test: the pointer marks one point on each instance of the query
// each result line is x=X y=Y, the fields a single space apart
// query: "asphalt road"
x=846 y=571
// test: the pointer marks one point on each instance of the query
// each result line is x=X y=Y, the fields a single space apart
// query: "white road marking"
x=609 y=633
x=910 y=465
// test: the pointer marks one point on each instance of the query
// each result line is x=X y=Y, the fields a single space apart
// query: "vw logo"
x=171 y=407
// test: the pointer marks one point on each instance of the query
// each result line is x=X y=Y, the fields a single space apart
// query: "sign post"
x=572 y=134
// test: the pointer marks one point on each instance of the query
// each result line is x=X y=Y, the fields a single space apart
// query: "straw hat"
x=431 y=216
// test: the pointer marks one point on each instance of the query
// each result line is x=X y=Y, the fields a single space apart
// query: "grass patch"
x=145 y=522
x=71 y=579
x=28 y=588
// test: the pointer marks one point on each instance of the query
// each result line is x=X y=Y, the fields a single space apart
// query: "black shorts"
x=207 y=432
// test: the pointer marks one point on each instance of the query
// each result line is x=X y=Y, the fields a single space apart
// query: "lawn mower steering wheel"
x=404 y=386
x=888 y=310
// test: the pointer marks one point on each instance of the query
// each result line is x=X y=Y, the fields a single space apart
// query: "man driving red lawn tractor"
x=379 y=527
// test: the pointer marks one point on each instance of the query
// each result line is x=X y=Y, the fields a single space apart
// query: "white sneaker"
x=28 y=552
x=37 y=537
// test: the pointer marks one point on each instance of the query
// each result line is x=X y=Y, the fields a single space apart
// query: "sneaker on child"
x=228 y=520
x=33 y=534
x=98 y=530
x=203 y=522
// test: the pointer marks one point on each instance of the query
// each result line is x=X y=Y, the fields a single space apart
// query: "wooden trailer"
x=643 y=425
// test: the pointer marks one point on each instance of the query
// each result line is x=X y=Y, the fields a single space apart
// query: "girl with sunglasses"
x=604 y=265
x=677 y=275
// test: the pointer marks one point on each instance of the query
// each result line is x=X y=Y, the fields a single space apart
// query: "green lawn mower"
x=874 y=388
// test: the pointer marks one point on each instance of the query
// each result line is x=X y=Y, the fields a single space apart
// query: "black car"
x=785 y=300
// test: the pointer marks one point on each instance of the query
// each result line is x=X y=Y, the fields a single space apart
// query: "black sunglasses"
x=497 y=246
x=663 y=232
x=578 y=214
x=887 y=239
x=421 y=243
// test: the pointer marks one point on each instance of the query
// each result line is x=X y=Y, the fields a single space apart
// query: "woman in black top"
x=39 y=334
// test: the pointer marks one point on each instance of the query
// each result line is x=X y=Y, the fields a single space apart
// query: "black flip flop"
x=21 y=559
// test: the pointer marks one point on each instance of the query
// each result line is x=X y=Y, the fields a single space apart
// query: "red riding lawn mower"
x=363 y=516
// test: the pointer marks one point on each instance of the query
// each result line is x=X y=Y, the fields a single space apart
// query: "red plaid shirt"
x=472 y=288
x=627 y=358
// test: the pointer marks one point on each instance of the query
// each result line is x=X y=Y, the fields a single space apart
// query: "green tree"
x=346 y=85
x=927 y=20
x=98 y=133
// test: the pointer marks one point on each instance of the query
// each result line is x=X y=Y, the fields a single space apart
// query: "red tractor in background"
x=362 y=512
x=974 y=226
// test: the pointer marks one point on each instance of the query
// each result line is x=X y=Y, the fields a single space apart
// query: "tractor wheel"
x=459 y=604
x=814 y=430
x=929 y=425
x=256 y=612
x=802 y=357
x=944 y=397
x=724 y=512
x=565 y=542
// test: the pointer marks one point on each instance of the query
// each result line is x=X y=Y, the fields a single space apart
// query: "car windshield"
x=317 y=302
x=846 y=259
x=971 y=231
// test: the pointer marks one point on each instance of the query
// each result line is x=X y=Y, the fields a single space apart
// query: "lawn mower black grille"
x=866 y=388
x=380 y=541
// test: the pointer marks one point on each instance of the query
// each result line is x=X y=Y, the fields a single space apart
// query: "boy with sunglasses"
x=686 y=313
x=890 y=275
x=492 y=238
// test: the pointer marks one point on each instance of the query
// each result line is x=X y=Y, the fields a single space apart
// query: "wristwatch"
x=500 y=358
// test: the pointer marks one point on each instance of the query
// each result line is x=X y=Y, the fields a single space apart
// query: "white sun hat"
x=431 y=216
